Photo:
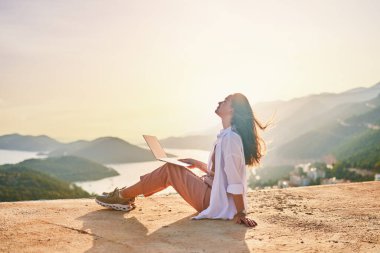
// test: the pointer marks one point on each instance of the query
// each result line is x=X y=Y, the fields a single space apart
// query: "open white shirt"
x=230 y=176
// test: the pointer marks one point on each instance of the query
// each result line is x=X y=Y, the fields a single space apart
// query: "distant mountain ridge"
x=293 y=118
x=28 y=142
x=106 y=150
x=313 y=145
x=102 y=150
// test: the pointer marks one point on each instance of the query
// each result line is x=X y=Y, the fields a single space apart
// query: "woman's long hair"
x=246 y=126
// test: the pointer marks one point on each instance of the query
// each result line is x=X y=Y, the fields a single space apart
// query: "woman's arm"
x=195 y=163
x=234 y=169
x=201 y=165
x=240 y=217
x=239 y=204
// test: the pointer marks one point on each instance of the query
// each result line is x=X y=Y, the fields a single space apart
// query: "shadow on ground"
x=115 y=231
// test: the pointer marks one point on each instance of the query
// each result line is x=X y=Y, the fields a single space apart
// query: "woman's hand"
x=191 y=161
x=242 y=219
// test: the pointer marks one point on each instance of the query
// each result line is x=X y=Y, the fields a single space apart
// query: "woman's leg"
x=132 y=191
x=191 y=188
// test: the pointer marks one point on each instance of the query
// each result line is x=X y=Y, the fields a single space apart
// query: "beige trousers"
x=191 y=187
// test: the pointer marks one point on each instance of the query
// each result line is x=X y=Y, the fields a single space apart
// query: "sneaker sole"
x=118 y=207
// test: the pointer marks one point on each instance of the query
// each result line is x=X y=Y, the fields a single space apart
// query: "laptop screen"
x=155 y=146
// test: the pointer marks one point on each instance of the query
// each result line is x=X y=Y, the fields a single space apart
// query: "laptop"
x=159 y=152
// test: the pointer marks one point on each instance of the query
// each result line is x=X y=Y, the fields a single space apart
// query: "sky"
x=85 y=69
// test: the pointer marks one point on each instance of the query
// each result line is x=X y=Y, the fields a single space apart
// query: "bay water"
x=129 y=172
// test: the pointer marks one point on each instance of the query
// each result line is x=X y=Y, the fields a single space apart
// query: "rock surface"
x=332 y=218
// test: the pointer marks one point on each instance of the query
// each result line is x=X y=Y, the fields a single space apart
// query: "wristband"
x=241 y=213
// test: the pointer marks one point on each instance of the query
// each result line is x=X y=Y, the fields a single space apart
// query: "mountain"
x=301 y=115
x=28 y=142
x=292 y=118
x=106 y=150
x=103 y=150
x=67 y=168
x=296 y=120
x=317 y=143
x=20 y=183
x=361 y=151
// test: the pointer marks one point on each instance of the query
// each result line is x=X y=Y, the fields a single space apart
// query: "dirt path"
x=334 y=218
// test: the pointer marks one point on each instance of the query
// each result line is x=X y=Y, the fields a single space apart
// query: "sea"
x=129 y=172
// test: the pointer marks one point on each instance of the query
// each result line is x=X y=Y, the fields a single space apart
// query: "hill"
x=106 y=150
x=361 y=151
x=20 y=183
x=28 y=142
x=102 y=150
x=324 y=140
x=67 y=168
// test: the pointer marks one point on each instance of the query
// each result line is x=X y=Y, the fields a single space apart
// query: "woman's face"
x=225 y=107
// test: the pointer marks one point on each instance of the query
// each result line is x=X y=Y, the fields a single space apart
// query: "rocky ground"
x=333 y=218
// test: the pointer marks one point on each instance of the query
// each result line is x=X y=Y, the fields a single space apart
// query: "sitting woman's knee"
x=170 y=168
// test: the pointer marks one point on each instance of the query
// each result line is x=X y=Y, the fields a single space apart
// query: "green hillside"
x=21 y=183
x=318 y=143
x=361 y=151
x=68 y=168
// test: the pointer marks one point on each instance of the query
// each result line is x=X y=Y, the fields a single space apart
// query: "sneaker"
x=107 y=193
x=112 y=200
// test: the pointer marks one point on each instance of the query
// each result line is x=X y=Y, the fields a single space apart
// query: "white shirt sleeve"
x=232 y=153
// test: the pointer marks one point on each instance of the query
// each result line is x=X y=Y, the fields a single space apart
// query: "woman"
x=221 y=193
